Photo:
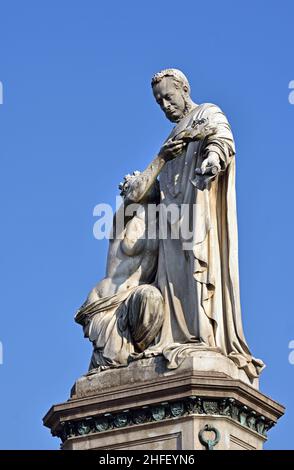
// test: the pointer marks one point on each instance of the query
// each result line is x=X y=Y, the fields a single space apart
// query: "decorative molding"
x=228 y=407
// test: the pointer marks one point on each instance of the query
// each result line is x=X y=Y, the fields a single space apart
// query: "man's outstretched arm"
x=142 y=184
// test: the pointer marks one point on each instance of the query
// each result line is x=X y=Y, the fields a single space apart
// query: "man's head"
x=171 y=90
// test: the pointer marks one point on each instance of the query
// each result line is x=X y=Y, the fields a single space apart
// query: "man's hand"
x=172 y=149
x=210 y=165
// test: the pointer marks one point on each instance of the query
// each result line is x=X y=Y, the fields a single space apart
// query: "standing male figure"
x=198 y=277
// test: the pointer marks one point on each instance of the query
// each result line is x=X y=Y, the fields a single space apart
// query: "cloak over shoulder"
x=198 y=272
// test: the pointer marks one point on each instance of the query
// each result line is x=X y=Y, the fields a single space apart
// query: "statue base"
x=206 y=403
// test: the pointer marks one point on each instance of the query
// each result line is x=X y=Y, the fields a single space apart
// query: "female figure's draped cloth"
x=198 y=276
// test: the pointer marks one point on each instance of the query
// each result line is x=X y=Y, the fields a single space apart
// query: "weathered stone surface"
x=151 y=369
x=144 y=406
x=180 y=434
x=169 y=292
x=171 y=305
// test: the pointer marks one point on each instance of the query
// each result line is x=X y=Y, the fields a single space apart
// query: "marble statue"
x=200 y=285
x=175 y=294
x=124 y=312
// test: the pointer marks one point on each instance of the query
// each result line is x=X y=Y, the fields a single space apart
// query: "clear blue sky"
x=78 y=114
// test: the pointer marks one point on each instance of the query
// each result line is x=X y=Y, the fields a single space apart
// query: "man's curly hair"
x=176 y=74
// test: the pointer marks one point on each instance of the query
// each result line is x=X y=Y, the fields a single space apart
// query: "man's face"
x=170 y=98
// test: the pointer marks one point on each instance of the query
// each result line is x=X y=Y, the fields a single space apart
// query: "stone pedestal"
x=206 y=403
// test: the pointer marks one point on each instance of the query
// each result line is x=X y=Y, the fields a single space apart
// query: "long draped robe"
x=198 y=276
